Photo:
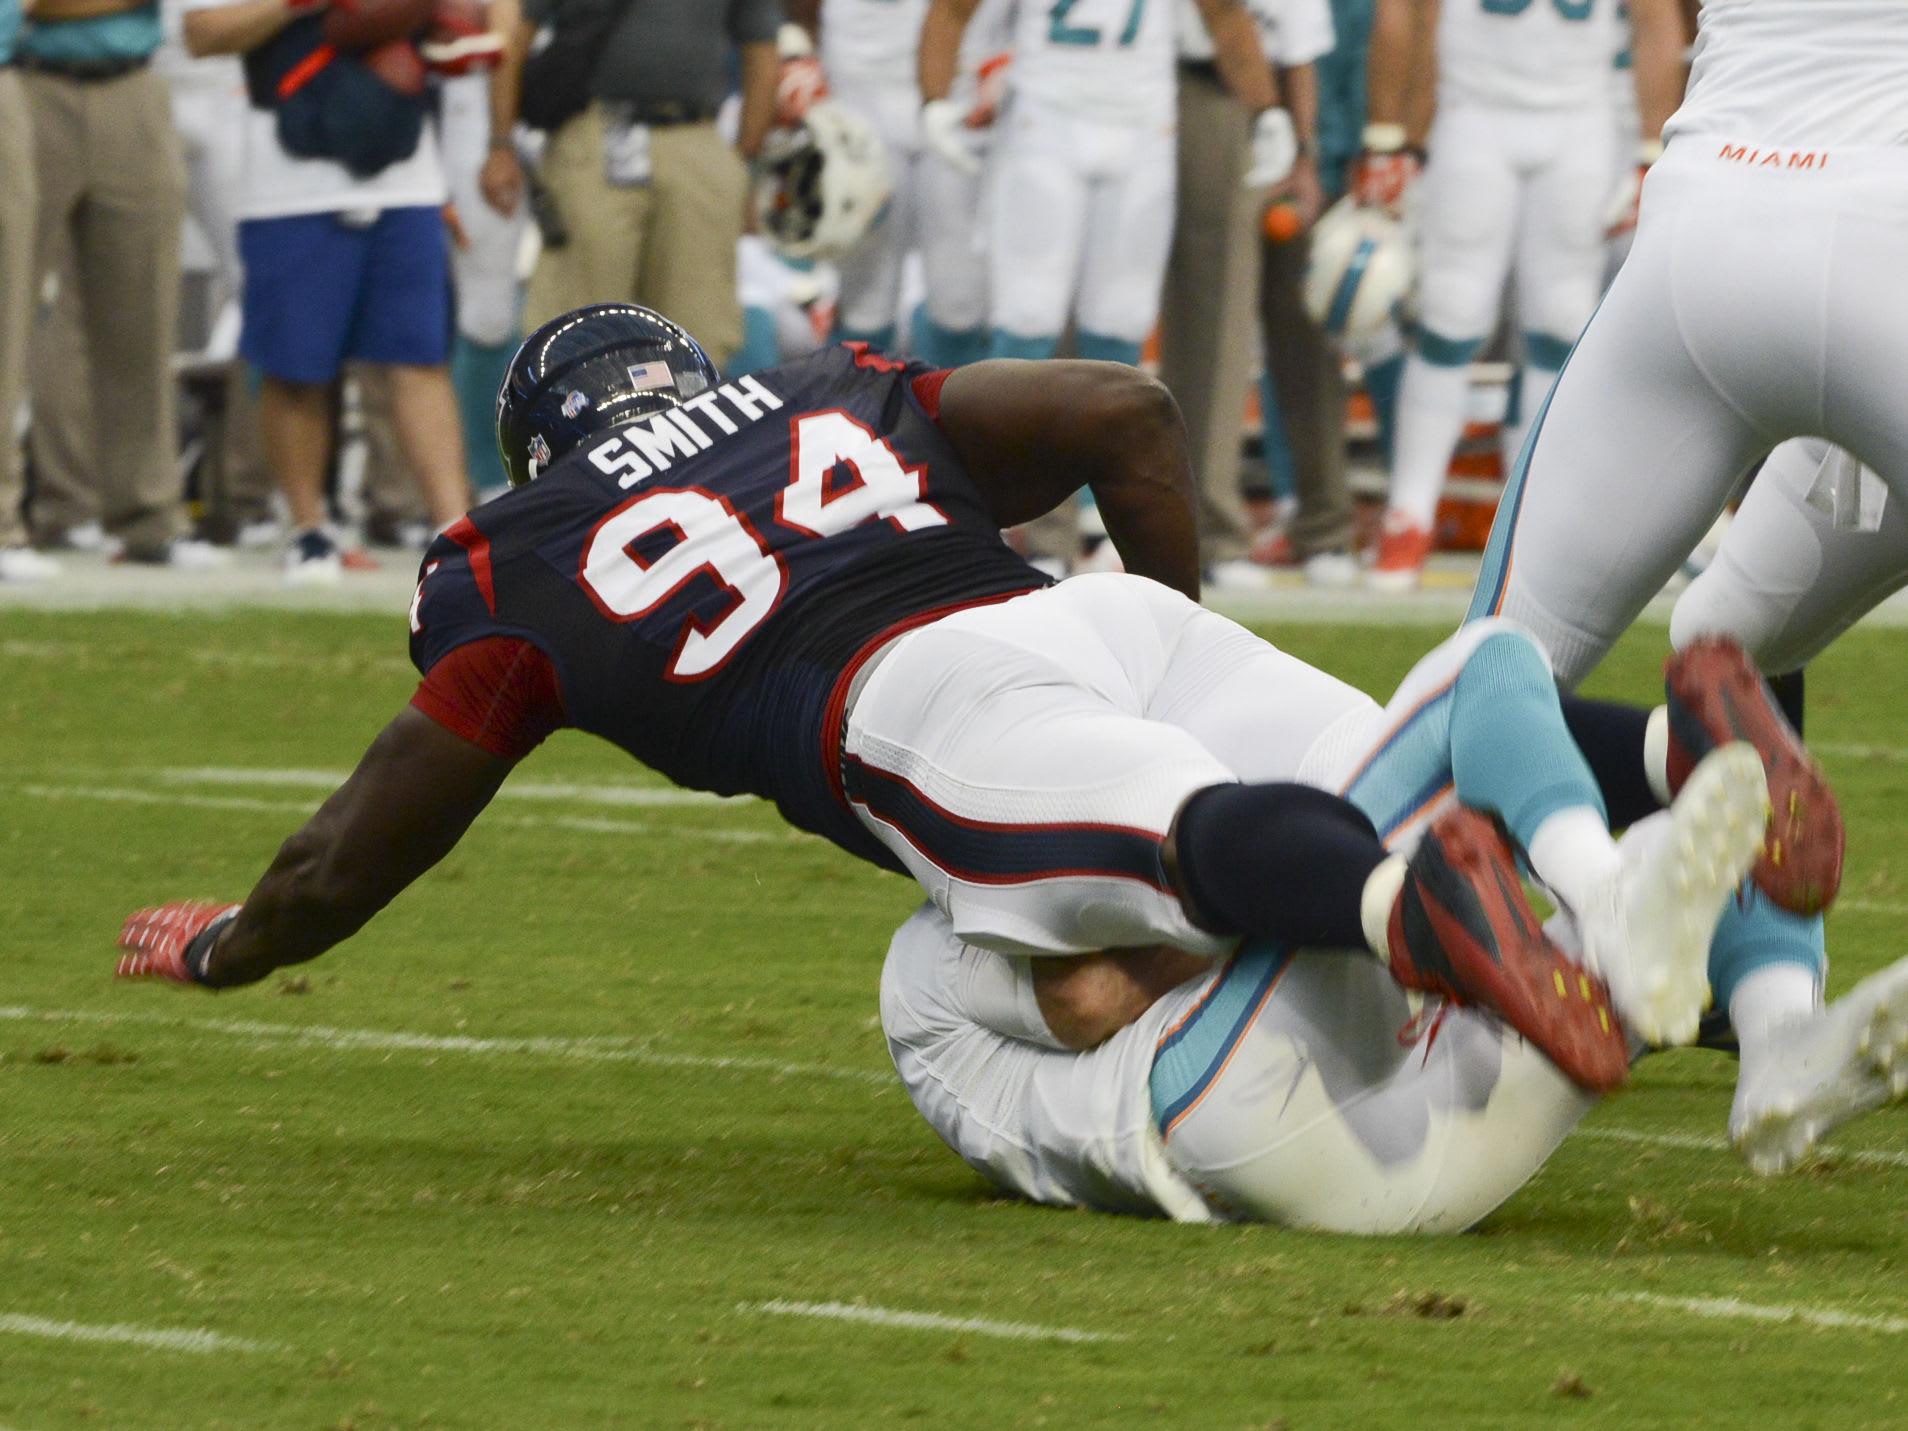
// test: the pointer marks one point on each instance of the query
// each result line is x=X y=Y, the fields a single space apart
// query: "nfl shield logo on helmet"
x=574 y=402
x=539 y=451
x=647 y=377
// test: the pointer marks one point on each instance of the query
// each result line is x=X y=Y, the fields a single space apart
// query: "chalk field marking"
x=1871 y=906
x=1854 y=750
x=157 y=1338
x=1731 y=1309
x=926 y=1321
x=587 y=824
x=1695 y=1143
x=582 y=1050
x=597 y=793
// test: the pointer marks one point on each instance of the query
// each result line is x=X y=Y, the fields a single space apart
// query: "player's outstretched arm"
x=1033 y=433
x=413 y=795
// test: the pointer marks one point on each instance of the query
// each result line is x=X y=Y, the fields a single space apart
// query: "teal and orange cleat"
x=1463 y=928
x=1716 y=696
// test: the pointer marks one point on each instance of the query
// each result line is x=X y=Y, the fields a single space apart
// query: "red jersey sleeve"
x=927 y=391
x=500 y=693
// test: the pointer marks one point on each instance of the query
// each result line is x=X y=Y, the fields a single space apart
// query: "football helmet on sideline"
x=1360 y=275
x=821 y=185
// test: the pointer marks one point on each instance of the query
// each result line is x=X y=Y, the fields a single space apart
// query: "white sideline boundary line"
x=926 y=1321
x=154 y=1338
x=1696 y=1143
x=1734 y=1309
x=587 y=824
x=580 y=1050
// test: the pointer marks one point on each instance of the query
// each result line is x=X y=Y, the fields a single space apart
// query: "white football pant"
x=1765 y=299
x=1081 y=220
x=1507 y=192
x=871 y=274
x=489 y=293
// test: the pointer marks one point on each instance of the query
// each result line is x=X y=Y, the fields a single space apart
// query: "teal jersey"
x=129 y=35
x=9 y=29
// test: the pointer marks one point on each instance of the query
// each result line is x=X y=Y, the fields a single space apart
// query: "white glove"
x=1274 y=148
x=944 y=130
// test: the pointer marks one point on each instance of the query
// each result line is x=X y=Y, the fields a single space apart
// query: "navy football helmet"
x=589 y=371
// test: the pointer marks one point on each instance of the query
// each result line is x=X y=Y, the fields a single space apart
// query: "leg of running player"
x=951 y=329
x=871 y=272
x=1129 y=236
x=1815 y=546
x=1470 y=198
x=1036 y=231
x=1561 y=251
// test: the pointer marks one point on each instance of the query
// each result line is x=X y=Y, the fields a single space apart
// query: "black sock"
x=1788 y=694
x=1284 y=862
x=1611 y=739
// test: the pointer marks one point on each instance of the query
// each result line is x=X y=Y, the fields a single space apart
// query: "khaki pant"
x=668 y=244
x=1207 y=306
x=1310 y=380
x=60 y=440
x=112 y=184
x=18 y=200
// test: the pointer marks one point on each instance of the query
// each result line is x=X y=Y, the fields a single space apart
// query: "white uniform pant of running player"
x=1765 y=299
x=1025 y=760
x=1081 y=223
x=1520 y=192
x=871 y=273
x=489 y=292
x=1818 y=543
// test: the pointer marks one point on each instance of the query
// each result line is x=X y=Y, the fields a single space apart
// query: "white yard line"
x=925 y=1321
x=1871 y=906
x=1695 y=1143
x=157 y=1338
x=1853 y=750
x=582 y=1050
x=596 y=793
x=587 y=824
x=1732 y=1309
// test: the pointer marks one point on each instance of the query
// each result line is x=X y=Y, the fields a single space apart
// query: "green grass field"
x=537 y=1147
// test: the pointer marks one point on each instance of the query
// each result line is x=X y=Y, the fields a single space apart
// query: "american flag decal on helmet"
x=647 y=377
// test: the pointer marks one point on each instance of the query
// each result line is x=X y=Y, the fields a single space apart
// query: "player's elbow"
x=1132 y=410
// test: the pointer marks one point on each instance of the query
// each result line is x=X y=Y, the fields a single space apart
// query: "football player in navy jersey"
x=793 y=585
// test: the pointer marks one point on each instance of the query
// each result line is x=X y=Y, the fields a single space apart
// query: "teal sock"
x=761 y=345
x=1102 y=349
x=1382 y=381
x=946 y=347
x=477 y=372
x=1754 y=934
x=1012 y=345
x=880 y=339
x=1511 y=752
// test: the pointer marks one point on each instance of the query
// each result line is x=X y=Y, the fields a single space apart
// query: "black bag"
x=557 y=72
x=330 y=106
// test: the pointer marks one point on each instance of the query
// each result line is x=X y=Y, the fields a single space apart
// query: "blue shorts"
x=319 y=292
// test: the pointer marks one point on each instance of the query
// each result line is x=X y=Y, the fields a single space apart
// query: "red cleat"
x=1716 y=695
x=1463 y=928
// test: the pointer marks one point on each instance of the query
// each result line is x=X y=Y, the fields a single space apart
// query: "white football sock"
x=1656 y=755
x=1772 y=995
x=1374 y=906
x=1431 y=404
x=1573 y=854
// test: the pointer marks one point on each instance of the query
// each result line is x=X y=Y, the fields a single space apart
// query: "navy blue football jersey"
x=702 y=579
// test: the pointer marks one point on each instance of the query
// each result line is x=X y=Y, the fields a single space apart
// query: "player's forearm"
x=1298 y=84
x=939 y=57
x=1143 y=484
x=1401 y=69
x=234 y=29
x=1657 y=42
x=760 y=67
x=506 y=80
x=299 y=909
x=1240 y=58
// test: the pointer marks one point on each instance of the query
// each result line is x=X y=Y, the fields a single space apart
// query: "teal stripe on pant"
x=1012 y=345
x=1194 y=1053
x=1103 y=349
x=880 y=339
x=946 y=347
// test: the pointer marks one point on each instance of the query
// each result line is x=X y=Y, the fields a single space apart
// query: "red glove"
x=800 y=84
x=1380 y=180
x=173 y=941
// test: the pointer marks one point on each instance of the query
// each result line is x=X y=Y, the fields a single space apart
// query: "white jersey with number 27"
x=1799 y=72
x=1529 y=54
x=1112 y=61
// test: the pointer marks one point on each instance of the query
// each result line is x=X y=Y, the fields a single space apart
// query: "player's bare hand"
x=173 y=941
x=501 y=180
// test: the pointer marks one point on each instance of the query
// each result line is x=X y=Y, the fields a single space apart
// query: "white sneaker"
x=1239 y=574
x=1810 y=1076
x=314 y=560
x=191 y=554
x=1331 y=569
x=23 y=564
x=86 y=537
x=1647 y=930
